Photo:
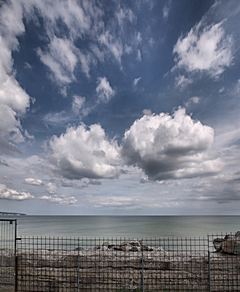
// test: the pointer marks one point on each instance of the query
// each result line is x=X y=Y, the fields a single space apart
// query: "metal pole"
x=209 y=266
x=78 y=268
x=142 y=270
x=15 y=255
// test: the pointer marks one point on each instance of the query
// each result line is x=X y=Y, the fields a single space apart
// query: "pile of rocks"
x=230 y=244
x=128 y=246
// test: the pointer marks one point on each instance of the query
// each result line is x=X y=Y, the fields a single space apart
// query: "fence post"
x=15 y=258
x=142 y=268
x=209 y=266
x=78 y=268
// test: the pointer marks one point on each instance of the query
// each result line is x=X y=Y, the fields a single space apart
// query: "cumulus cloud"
x=204 y=49
x=33 y=181
x=104 y=90
x=60 y=199
x=85 y=152
x=170 y=147
x=11 y=194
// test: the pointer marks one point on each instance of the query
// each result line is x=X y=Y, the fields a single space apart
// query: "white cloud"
x=114 y=45
x=85 y=62
x=85 y=152
x=168 y=147
x=33 y=181
x=166 y=10
x=57 y=118
x=10 y=194
x=78 y=103
x=181 y=81
x=77 y=18
x=60 y=199
x=124 y=16
x=206 y=49
x=61 y=59
x=147 y=112
x=104 y=90
x=51 y=188
x=139 y=55
x=192 y=101
x=14 y=101
x=236 y=88
x=136 y=81
x=115 y=202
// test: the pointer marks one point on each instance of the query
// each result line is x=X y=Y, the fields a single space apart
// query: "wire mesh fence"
x=7 y=254
x=120 y=264
x=224 y=265
x=46 y=264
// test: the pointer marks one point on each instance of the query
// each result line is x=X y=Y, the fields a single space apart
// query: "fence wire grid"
x=121 y=264
x=7 y=255
x=54 y=264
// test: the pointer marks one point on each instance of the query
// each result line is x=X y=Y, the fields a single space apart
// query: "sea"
x=126 y=226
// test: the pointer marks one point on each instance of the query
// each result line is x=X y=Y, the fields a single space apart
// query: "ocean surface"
x=126 y=226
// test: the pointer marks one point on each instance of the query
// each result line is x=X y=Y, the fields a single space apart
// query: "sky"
x=120 y=107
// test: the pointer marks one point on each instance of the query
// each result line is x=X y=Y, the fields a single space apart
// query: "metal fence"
x=7 y=254
x=165 y=264
x=50 y=264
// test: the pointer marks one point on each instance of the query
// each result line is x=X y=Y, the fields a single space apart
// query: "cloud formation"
x=33 y=181
x=104 y=90
x=78 y=104
x=60 y=199
x=14 y=101
x=181 y=81
x=136 y=81
x=11 y=194
x=85 y=152
x=170 y=147
x=61 y=59
x=204 y=49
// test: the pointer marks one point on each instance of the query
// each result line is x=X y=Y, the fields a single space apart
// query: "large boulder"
x=230 y=244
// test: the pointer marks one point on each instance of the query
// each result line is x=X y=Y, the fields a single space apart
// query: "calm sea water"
x=126 y=226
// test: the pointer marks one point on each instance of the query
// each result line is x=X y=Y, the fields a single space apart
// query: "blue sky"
x=119 y=107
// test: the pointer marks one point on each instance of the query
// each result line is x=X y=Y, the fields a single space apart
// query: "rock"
x=134 y=243
x=104 y=248
x=230 y=244
x=147 y=248
x=127 y=246
x=237 y=234
x=135 y=248
x=217 y=243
